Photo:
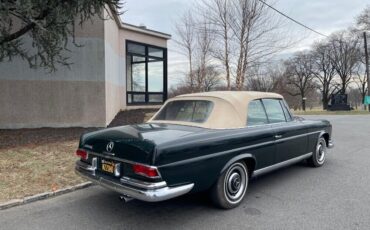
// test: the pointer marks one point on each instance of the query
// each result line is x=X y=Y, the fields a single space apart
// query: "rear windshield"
x=196 y=111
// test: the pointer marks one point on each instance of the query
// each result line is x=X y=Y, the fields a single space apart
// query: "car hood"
x=135 y=142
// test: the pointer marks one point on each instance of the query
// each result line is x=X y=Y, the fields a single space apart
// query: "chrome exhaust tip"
x=125 y=198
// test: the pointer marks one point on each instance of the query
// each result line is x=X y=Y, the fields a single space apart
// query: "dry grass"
x=39 y=160
x=29 y=170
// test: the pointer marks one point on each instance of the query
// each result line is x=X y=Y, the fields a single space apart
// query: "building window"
x=146 y=73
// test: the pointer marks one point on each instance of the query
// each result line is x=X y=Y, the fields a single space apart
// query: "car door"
x=290 y=135
x=261 y=135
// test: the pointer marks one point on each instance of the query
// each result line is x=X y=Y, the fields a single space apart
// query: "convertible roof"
x=229 y=111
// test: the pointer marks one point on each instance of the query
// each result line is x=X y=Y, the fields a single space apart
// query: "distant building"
x=120 y=66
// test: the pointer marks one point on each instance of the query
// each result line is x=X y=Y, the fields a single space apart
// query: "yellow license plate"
x=107 y=166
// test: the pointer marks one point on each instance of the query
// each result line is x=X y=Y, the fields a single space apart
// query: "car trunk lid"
x=135 y=143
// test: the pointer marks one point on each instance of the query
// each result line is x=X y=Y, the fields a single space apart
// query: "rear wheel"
x=318 y=157
x=230 y=188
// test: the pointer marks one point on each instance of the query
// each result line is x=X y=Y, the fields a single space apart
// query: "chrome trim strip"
x=150 y=195
x=281 y=164
x=237 y=149
x=85 y=166
x=296 y=136
x=112 y=157
x=143 y=184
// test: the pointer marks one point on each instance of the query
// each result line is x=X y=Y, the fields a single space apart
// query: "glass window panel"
x=274 y=111
x=136 y=48
x=138 y=98
x=129 y=73
x=155 y=98
x=187 y=110
x=286 y=111
x=256 y=113
x=138 y=77
x=138 y=59
x=155 y=76
x=145 y=65
x=155 y=52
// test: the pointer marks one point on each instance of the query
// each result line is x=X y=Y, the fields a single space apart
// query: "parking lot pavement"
x=335 y=196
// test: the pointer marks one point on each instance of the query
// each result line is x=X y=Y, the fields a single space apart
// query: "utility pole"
x=367 y=66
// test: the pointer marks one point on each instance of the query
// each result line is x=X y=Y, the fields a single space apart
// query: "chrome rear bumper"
x=145 y=191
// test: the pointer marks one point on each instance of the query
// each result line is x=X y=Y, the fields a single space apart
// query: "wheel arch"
x=326 y=136
x=247 y=158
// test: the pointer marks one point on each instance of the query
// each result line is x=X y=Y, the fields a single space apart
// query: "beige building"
x=119 y=67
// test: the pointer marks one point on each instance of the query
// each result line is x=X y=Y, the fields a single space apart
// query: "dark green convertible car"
x=212 y=142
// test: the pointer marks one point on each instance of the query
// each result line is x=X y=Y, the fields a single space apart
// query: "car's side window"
x=256 y=113
x=287 y=114
x=274 y=110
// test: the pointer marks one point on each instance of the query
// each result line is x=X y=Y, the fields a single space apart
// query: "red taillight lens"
x=82 y=153
x=145 y=170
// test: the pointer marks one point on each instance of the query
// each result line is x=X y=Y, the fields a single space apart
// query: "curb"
x=43 y=196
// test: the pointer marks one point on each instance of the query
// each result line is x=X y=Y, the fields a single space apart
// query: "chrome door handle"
x=278 y=136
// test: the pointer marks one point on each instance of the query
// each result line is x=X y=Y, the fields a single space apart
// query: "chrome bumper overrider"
x=330 y=144
x=146 y=191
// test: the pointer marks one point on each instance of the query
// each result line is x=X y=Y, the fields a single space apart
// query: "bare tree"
x=323 y=70
x=344 y=55
x=257 y=35
x=246 y=34
x=218 y=14
x=211 y=78
x=245 y=14
x=299 y=76
x=204 y=40
x=265 y=79
x=363 y=20
x=360 y=80
x=354 y=97
x=185 y=31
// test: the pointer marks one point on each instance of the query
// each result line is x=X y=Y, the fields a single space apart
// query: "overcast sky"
x=324 y=16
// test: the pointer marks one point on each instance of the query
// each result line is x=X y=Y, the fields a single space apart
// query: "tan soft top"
x=230 y=108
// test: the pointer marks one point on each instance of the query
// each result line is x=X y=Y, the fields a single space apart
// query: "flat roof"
x=145 y=30
x=139 y=29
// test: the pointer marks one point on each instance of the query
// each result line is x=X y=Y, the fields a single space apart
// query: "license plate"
x=107 y=166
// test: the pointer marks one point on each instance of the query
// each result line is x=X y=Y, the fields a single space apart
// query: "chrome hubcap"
x=235 y=183
x=320 y=153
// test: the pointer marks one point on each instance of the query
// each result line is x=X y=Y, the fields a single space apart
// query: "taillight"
x=147 y=171
x=82 y=154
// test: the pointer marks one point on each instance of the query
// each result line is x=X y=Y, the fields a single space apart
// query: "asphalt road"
x=335 y=196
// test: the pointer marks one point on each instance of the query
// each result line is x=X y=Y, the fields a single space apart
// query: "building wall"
x=114 y=70
x=88 y=94
x=72 y=96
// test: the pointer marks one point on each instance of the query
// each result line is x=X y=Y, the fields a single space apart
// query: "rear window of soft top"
x=196 y=111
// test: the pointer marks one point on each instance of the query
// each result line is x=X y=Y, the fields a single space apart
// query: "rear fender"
x=237 y=158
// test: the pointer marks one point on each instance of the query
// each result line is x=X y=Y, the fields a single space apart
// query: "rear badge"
x=110 y=146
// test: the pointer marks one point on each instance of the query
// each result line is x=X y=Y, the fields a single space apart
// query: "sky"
x=325 y=16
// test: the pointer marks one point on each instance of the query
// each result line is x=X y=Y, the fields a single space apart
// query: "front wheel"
x=318 y=157
x=230 y=188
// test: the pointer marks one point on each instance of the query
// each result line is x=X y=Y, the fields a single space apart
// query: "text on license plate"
x=107 y=166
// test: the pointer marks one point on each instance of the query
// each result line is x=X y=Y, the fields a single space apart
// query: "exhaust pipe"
x=125 y=198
